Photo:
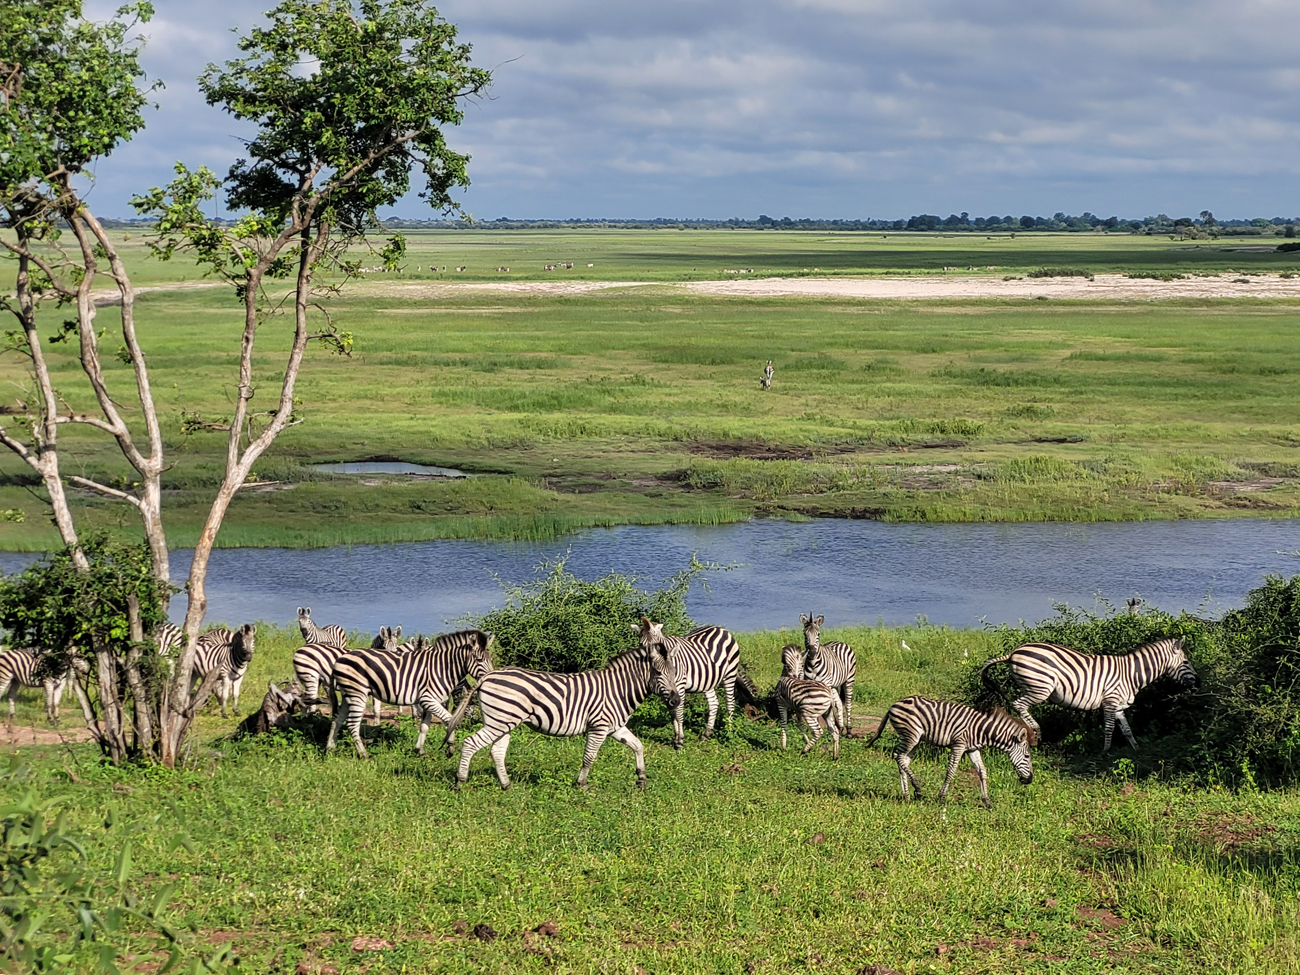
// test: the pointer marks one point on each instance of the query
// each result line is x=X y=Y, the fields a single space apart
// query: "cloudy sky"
x=823 y=108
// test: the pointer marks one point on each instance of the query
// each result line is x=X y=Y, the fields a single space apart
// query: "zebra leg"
x=814 y=724
x=13 y=696
x=1108 y=732
x=710 y=696
x=954 y=760
x=310 y=688
x=238 y=683
x=377 y=711
x=1021 y=706
x=984 y=777
x=785 y=715
x=679 y=724
x=428 y=711
x=224 y=694
x=835 y=742
x=484 y=736
x=1122 y=721
x=595 y=738
x=848 y=706
x=340 y=715
x=836 y=714
x=729 y=698
x=638 y=751
x=905 y=777
x=499 y=759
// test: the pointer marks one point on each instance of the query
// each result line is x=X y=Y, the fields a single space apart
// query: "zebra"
x=808 y=699
x=594 y=703
x=833 y=664
x=333 y=634
x=20 y=667
x=965 y=731
x=1086 y=681
x=313 y=666
x=228 y=654
x=705 y=658
x=170 y=639
x=426 y=675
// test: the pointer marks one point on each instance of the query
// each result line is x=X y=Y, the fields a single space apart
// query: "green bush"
x=559 y=622
x=1241 y=725
x=1060 y=272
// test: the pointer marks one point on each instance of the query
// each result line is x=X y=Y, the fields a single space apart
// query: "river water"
x=852 y=571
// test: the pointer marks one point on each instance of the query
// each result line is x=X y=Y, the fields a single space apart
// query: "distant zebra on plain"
x=21 y=668
x=595 y=703
x=833 y=664
x=965 y=731
x=808 y=700
x=705 y=659
x=1088 y=681
x=334 y=635
x=313 y=665
x=228 y=654
x=426 y=675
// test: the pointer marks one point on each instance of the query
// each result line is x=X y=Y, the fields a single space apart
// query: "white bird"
x=905 y=646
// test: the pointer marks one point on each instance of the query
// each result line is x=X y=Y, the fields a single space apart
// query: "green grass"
x=643 y=405
x=738 y=857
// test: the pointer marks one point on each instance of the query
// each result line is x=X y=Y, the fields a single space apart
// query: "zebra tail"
x=746 y=682
x=456 y=718
x=884 y=723
x=987 y=679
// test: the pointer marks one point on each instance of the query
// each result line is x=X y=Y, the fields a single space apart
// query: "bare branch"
x=104 y=489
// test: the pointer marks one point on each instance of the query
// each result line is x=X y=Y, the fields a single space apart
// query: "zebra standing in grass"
x=228 y=654
x=833 y=664
x=333 y=635
x=20 y=668
x=1086 y=681
x=425 y=675
x=595 y=703
x=809 y=700
x=313 y=665
x=965 y=731
x=705 y=659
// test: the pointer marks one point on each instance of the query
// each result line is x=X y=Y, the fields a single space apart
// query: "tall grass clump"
x=558 y=622
x=1240 y=726
x=1060 y=272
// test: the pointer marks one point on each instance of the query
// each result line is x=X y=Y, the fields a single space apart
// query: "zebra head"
x=1179 y=667
x=480 y=654
x=812 y=635
x=651 y=633
x=1015 y=738
x=664 y=677
x=792 y=661
x=387 y=639
x=243 y=643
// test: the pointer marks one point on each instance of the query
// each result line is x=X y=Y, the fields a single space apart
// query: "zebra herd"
x=816 y=688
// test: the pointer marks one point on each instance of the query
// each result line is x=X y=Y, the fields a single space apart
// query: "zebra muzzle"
x=1027 y=779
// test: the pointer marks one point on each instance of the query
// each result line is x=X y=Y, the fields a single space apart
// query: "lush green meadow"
x=737 y=858
x=643 y=404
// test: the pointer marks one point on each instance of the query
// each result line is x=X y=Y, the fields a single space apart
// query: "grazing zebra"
x=333 y=634
x=832 y=664
x=27 y=668
x=313 y=665
x=170 y=639
x=1086 y=681
x=809 y=700
x=705 y=658
x=228 y=654
x=965 y=731
x=425 y=675
x=595 y=703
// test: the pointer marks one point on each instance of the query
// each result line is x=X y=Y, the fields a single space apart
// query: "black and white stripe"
x=20 y=668
x=705 y=659
x=808 y=700
x=833 y=664
x=961 y=728
x=426 y=674
x=313 y=665
x=1086 y=681
x=170 y=639
x=595 y=703
x=333 y=635
x=228 y=654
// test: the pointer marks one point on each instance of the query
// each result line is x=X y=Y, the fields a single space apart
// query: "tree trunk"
x=114 y=736
x=139 y=693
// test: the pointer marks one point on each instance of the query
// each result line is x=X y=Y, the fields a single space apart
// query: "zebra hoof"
x=640 y=784
x=455 y=786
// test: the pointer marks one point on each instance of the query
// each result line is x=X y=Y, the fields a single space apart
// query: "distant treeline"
x=1204 y=225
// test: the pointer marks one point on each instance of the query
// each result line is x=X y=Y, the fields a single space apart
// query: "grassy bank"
x=643 y=407
x=738 y=858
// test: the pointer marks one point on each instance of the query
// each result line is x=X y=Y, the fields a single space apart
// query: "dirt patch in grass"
x=751 y=450
x=1230 y=831
x=20 y=735
x=1100 y=917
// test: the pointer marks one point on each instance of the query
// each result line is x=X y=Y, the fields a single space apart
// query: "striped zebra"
x=313 y=666
x=965 y=731
x=333 y=635
x=704 y=659
x=833 y=664
x=426 y=675
x=1086 y=681
x=809 y=700
x=170 y=639
x=20 y=668
x=228 y=654
x=594 y=703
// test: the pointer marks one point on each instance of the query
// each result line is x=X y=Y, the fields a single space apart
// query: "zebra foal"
x=20 y=667
x=333 y=634
x=313 y=666
x=228 y=654
x=595 y=703
x=1087 y=681
x=705 y=659
x=809 y=700
x=833 y=664
x=965 y=731
x=424 y=675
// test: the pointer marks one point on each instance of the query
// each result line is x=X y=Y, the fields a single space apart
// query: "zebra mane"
x=1002 y=712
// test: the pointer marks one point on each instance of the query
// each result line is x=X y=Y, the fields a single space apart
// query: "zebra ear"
x=803 y=619
x=488 y=640
x=397 y=633
x=820 y=620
